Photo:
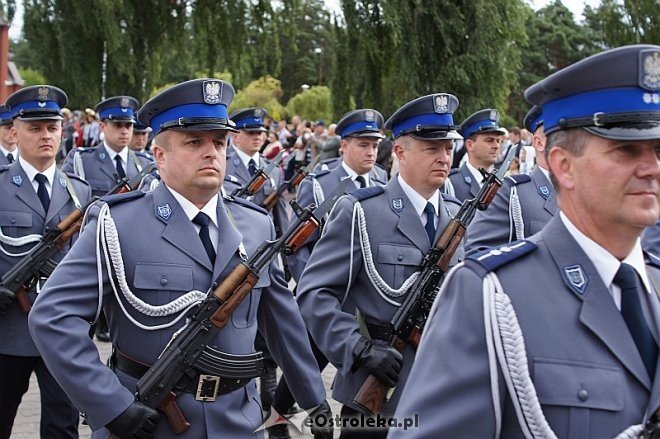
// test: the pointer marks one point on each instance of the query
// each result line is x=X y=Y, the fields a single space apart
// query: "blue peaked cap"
x=428 y=117
x=118 y=108
x=533 y=118
x=38 y=102
x=360 y=123
x=250 y=119
x=482 y=121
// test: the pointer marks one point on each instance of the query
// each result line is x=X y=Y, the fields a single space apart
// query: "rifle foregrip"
x=173 y=414
x=257 y=184
x=491 y=193
x=301 y=235
x=371 y=395
x=231 y=293
x=297 y=179
x=71 y=219
x=270 y=201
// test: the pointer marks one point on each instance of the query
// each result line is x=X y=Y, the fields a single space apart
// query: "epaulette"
x=145 y=155
x=73 y=176
x=88 y=149
x=519 y=178
x=367 y=192
x=245 y=203
x=3 y=168
x=111 y=200
x=330 y=160
x=320 y=173
x=451 y=199
x=651 y=259
x=494 y=258
x=454 y=171
x=231 y=178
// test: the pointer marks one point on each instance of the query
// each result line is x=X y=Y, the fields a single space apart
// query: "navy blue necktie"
x=361 y=181
x=10 y=158
x=430 y=221
x=631 y=310
x=42 y=192
x=252 y=167
x=120 y=168
x=202 y=220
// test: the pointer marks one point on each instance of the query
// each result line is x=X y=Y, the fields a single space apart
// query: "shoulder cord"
x=154 y=183
x=515 y=217
x=317 y=190
x=376 y=280
x=506 y=345
x=109 y=240
x=449 y=188
x=133 y=157
x=78 y=167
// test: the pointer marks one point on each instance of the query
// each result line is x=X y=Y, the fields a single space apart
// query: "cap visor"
x=204 y=127
x=375 y=134
x=254 y=129
x=640 y=131
x=436 y=135
x=43 y=117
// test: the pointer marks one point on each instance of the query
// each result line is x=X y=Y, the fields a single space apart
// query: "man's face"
x=360 y=153
x=483 y=148
x=614 y=185
x=8 y=137
x=38 y=141
x=515 y=138
x=117 y=134
x=248 y=142
x=138 y=141
x=424 y=164
x=192 y=162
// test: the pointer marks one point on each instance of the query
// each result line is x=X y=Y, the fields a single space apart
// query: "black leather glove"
x=381 y=360
x=136 y=422
x=7 y=298
x=322 y=422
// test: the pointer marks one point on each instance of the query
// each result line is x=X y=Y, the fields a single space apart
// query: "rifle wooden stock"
x=231 y=293
x=300 y=236
x=373 y=393
x=271 y=200
x=22 y=300
x=257 y=184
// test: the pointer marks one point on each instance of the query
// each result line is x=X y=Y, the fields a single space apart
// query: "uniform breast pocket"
x=15 y=224
x=397 y=261
x=246 y=314
x=166 y=281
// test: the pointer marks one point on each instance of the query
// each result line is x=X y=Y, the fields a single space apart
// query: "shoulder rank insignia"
x=652 y=259
x=494 y=258
x=367 y=192
x=120 y=198
x=575 y=278
x=519 y=178
x=319 y=173
x=17 y=180
x=245 y=203
x=231 y=178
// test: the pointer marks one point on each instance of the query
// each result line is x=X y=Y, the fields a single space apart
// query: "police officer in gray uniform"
x=523 y=205
x=360 y=132
x=373 y=242
x=8 y=143
x=557 y=335
x=102 y=165
x=245 y=160
x=35 y=196
x=187 y=239
x=481 y=132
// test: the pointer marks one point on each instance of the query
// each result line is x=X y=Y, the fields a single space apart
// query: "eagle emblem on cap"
x=494 y=116
x=258 y=113
x=650 y=70
x=441 y=103
x=212 y=91
x=369 y=116
x=123 y=102
x=42 y=94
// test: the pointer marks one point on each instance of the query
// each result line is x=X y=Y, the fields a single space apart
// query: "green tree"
x=32 y=77
x=312 y=104
x=615 y=23
x=264 y=92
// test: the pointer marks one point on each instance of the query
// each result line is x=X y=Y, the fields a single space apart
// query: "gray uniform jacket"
x=327 y=180
x=494 y=226
x=589 y=377
x=651 y=239
x=3 y=158
x=335 y=282
x=99 y=170
x=237 y=176
x=21 y=214
x=332 y=163
x=164 y=259
x=465 y=186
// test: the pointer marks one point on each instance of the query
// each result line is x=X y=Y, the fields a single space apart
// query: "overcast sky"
x=576 y=6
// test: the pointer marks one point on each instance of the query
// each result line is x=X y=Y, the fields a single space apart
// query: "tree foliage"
x=312 y=104
x=264 y=92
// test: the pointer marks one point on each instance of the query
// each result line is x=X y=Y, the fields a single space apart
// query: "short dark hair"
x=573 y=140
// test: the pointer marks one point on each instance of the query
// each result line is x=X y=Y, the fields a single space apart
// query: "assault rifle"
x=408 y=322
x=38 y=263
x=271 y=200
x=258 y=179
x=173 y=369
